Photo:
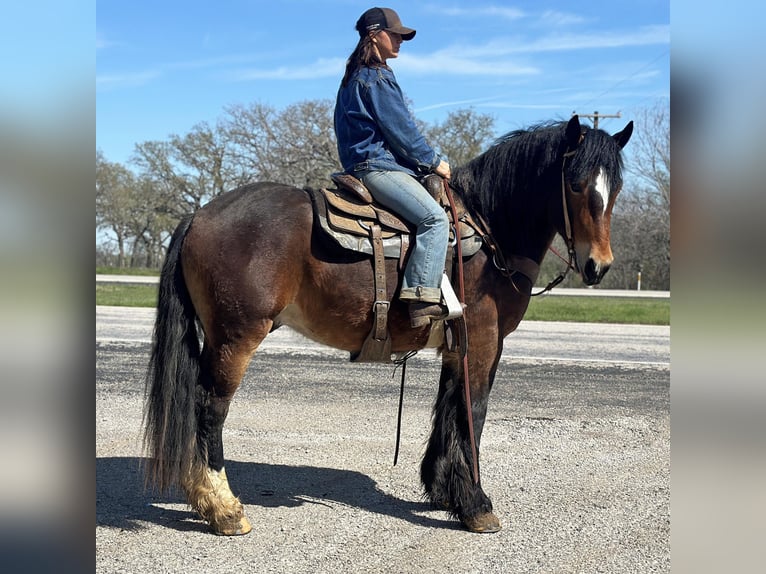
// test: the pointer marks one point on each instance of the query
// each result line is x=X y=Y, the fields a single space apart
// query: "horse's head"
x=592 y=178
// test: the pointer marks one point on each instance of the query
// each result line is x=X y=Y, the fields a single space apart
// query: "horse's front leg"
x=447 y=467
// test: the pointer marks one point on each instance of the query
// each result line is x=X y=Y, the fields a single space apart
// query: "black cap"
x=383 y=19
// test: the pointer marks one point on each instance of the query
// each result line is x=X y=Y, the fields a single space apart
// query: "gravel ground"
x=575 y=456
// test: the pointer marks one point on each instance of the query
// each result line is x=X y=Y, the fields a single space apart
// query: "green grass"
x=126 y=294
x=629 y=310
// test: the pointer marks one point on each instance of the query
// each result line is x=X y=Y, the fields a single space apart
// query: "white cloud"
x=498 y=47
x=560 y=19
x=102 y=42
x=480 y=11
x=451 y=62
x=468 y=102
x=442 y=63
x=517 y=106
x=114 y=81
x=492 y=58
x=646 y=36
x=322 y=68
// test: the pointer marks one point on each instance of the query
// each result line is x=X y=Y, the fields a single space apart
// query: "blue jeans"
x=402 y=193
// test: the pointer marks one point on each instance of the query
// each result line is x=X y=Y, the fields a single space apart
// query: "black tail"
x=170 y=436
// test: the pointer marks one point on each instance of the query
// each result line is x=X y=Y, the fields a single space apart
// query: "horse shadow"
x=123 y=502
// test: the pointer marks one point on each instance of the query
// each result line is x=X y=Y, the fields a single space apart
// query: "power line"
x=641 y=69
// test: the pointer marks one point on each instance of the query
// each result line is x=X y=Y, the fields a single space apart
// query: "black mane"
x=527 y=161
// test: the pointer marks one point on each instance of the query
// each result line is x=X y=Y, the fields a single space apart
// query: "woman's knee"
x=438 y=217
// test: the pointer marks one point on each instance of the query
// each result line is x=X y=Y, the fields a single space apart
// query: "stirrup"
x=450 y=300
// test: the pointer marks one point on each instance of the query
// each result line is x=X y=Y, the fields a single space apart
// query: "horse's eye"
x=575 y=187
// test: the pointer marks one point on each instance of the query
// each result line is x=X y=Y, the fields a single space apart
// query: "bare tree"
x=307 y=143
x=205 y=157
x=295 y=146
x=462 y=136
x=641 y=223
x=154 y=160
x=251 y=131
x=651 y=155
x=189 y=170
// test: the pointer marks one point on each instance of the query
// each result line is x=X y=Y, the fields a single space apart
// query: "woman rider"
x=379 y=143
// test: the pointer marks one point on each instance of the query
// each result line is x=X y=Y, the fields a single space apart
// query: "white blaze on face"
x=602 y=187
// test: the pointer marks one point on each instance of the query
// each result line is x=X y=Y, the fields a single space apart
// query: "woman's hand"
x=443 y=170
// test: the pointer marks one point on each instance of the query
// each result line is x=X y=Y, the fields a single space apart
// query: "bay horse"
x=252 y=260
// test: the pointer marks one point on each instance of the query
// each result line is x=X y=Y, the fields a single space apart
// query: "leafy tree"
x=115 y=201
x=151 y=225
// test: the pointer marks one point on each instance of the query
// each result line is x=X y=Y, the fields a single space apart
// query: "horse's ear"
x=622 y=137
x=573 y=132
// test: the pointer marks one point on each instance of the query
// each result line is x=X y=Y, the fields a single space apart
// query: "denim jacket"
x=374 y=128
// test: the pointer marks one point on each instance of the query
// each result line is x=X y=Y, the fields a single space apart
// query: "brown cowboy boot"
x=423 y=312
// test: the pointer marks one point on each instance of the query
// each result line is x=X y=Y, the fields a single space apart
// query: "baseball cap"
x=383 y=19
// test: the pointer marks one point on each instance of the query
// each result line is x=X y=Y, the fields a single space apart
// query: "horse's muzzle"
x=593 y=273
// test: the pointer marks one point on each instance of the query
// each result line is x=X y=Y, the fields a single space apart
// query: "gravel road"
x=575 y=456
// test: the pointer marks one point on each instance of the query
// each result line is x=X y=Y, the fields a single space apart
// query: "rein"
x=498 y=260
x=569 y=236
x=464 y=332
x=463 y=345
x=403 y=363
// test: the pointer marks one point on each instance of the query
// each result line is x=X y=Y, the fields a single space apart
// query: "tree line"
x=138 y=205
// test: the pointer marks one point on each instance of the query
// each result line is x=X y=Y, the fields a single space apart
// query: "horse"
x=252 y=260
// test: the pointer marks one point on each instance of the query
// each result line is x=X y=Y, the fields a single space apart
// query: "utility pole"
x=595 y=115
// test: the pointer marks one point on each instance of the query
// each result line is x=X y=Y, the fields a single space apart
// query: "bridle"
x=524 y=265
x=568 y=235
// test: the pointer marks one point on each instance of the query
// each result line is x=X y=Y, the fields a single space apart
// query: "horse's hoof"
x=234 y=529
x=484 y=523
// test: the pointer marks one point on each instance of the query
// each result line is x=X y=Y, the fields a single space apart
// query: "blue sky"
x=164 y=66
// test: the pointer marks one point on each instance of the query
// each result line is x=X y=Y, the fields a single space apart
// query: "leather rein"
x=522 y=265
x=498 y=259
x=463 y=345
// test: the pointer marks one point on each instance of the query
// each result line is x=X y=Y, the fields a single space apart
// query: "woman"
x=379 y=143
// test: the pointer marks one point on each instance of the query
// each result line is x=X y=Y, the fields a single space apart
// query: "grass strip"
x=627 y=310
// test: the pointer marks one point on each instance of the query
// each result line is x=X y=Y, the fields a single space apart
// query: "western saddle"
x=351 y=218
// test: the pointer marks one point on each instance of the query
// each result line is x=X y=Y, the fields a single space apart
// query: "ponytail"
x=364 y=55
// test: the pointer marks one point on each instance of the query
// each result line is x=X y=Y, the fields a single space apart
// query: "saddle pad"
x=342 y=202
x=341 y=222
x=392 y=244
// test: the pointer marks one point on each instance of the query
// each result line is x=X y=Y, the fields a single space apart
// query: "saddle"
x=351 y=218
x=346 y=214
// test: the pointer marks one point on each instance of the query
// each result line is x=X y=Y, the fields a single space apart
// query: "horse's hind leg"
x=207 y=487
